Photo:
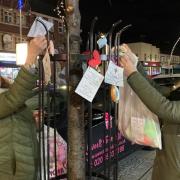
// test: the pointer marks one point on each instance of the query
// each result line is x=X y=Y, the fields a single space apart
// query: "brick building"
x=10 y=28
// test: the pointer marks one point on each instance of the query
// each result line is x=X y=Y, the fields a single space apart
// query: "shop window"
x=1 y=18
x=61 y=27
x=23 y=40
x=150 y=57
x=14 y=17
x=17 y=19
x=8 y=17
x=145 y=56
x=173 y=59
x=155 y=57
x=23 y=19
x=17 y=40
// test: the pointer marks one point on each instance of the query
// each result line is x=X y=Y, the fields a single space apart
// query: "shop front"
x=8 y=67
x=152 y=68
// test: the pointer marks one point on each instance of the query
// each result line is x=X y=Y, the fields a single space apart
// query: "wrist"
x=31 y=59
x=128 y=77
x=131 y=72
x=31 y=68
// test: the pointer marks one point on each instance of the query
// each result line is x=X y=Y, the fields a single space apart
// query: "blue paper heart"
x=102 y=42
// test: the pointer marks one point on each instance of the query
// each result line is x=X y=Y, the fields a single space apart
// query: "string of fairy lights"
x=60 y=11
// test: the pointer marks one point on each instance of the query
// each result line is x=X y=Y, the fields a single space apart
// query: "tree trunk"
x=76 y=134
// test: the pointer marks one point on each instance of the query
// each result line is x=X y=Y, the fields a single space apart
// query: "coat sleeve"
x=162 y=89
x=20 y=91
x=168 y=111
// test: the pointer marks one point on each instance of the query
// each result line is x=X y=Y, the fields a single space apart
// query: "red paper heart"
x=95 y=61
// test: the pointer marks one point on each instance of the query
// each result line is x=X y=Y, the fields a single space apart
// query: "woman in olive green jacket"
x=167 y=161
x=18 y=142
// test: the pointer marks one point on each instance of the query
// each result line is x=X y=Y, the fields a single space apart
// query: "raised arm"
x=157 y=103
x=21 y=90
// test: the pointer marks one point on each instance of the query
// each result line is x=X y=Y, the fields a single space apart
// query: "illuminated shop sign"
x=7 y=57
x=152 y=63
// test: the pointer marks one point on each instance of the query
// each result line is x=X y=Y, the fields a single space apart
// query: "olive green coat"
x=18 y=142
x=167 y=161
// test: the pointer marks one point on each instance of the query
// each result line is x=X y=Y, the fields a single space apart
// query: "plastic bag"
x=136 y=122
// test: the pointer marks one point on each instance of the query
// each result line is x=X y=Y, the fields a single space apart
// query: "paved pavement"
x=136 y=166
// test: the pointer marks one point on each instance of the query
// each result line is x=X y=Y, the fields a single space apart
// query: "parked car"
x=169 y=80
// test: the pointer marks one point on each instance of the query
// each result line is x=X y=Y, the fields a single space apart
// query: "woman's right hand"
x=36 y=47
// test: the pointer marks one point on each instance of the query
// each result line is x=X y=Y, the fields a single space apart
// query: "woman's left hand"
x=128 y=66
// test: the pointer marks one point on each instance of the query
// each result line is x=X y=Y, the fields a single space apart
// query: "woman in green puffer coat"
x=18 y=140
x=167 y=161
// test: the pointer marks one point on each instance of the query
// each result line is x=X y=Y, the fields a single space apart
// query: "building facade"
x=145 y=51
x=10 y=28
x=152 y=59
x=149 y=55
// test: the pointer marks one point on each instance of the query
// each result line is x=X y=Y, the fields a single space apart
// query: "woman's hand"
x=127 y=64
x=36 y=47
x=125 y=50
x=128 y=60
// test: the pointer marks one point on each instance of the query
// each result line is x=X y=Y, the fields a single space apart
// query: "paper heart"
x=102 y=42
x=95 y=61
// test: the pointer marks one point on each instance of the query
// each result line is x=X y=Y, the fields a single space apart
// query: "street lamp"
x=21 y=48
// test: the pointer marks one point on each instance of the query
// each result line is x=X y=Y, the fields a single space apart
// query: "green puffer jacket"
x=18 y=140
x=167 y=161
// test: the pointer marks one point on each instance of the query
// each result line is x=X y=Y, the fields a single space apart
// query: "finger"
x=44 y=43
x=121 y=64
x=123 y=59
x=127 y=47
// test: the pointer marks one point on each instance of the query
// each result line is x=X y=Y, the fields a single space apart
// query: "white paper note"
x=89 y=84
x=37 y=28
x=114 y=75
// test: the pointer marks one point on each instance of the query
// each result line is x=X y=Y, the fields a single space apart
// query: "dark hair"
x=5 y=83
